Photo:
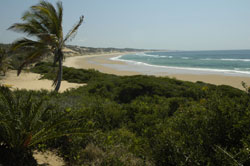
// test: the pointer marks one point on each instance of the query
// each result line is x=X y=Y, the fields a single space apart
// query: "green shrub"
x=24 y=123
x=147 y=119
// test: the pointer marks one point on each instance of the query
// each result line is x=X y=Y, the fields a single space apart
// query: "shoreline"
x=107 y=63
x=97 y=62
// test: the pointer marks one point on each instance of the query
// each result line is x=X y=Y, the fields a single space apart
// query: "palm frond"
x=50 y=39
x=36 y=50
x=47 y=10
x=24 y=43
x=26 y=121
x=31 y=28
x=73 y=31
x=7 y=97
x=36 y=54
x=41 y=19
x=60 y=13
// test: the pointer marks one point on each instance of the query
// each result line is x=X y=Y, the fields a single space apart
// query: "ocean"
x=234 y=62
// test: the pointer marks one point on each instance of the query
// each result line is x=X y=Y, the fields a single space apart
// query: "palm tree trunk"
x=60 y=72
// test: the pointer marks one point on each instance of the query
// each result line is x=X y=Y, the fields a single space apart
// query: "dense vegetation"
x=27 y=121
x=147 y=120
x=5 y=61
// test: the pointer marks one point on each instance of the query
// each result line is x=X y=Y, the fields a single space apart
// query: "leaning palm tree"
x=44 y=23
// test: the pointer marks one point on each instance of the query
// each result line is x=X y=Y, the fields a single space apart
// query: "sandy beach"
x=97 y=62
x=32 y=81
x=103 y=63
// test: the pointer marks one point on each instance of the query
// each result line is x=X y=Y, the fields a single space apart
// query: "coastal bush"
x=182 y=122
x=114 y=155
x=147 y=119
x=5 y=61
x=70 y=74
x=117 y=147
x=27 y=121
x=196 y=130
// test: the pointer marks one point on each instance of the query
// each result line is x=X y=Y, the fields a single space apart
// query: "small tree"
x=26 y=122
x=5 y=61
x=44 y=22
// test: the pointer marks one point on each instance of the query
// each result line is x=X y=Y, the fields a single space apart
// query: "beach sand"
x=31 y=81
x=103 y=64
x=48 y=158
x=96 y=62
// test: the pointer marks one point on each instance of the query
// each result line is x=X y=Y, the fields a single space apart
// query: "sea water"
x=225 y=61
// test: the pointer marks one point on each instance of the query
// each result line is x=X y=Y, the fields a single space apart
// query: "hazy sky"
x=157 y=24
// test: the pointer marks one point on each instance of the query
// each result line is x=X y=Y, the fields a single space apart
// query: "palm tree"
x=44 y=22
x=5 y=61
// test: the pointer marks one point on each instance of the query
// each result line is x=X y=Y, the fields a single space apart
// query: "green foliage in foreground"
x=26 y=121
x=146 y=120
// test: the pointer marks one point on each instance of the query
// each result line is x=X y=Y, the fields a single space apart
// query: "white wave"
x=242 y=69
x=185 y=58
x=116 y=58
x=198 y=69
x=224 y=59
x=151 y=55
x=183 y=68
x=243 y=60
x=208 y=59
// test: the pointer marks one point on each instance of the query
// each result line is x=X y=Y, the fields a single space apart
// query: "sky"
x=149 y=24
